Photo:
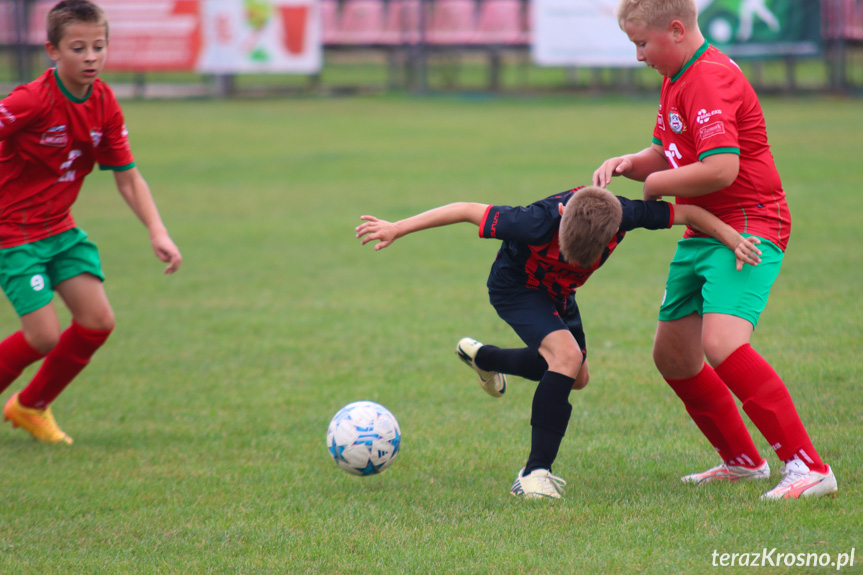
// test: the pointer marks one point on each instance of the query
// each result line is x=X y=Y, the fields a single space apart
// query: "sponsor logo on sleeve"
x=494 y=221
x=55 y=137
x=704 y=116
x=714 y=129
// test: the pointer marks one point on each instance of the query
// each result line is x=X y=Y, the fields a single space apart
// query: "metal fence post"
x=22 y=48
x=420 y=67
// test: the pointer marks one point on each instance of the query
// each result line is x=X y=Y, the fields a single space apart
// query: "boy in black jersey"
x=549 y=249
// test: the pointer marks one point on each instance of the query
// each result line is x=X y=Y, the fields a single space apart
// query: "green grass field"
x=199 y=428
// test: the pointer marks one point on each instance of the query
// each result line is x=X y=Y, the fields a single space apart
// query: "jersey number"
x=673 y=154
x=69 y=174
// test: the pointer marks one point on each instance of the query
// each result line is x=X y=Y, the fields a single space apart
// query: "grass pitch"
x=199 y=428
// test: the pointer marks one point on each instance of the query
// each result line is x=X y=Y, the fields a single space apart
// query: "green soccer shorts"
x=703 y=278
x=28 y=273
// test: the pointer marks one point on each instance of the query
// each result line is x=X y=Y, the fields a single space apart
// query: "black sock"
x=522 y=362
x=549 y=419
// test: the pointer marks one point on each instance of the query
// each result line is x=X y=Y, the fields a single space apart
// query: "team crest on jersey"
x=675 y=120
x=95 y=137
x=55 y=137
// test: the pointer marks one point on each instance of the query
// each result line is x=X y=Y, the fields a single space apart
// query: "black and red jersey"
x=530 y=255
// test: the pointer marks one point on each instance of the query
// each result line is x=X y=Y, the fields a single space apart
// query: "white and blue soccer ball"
x=364 y=438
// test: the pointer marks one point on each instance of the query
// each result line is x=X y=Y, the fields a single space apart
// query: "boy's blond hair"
x=69 y=12
x=657 y=13
x=590 y=219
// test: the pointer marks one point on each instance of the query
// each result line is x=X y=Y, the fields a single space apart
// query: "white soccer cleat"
x=539 y=484
x=725 y=472
x=798 y=481
x=492 y=382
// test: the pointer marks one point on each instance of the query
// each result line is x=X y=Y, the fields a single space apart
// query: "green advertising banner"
x=762 y=27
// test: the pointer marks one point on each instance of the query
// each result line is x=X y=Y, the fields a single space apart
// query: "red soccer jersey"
x=49 y=141
x=708 y=108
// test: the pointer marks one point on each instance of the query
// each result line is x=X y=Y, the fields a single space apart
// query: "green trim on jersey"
x=67 y=93
x=117 y=168
x=715 y=151
x=656 y=141
x=692 y=60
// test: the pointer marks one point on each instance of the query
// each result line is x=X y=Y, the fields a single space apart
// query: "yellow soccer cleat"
x=39 y=422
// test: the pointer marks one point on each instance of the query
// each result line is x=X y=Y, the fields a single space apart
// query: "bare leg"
x=42 y=328
x=86 y=298
x=677 y=350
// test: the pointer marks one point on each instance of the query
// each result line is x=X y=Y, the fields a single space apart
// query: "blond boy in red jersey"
x=52 y=132
x=710 y=149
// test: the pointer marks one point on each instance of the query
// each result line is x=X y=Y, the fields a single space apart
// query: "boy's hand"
x=610 y=168
x=167 y=251
x=746 y=252
x=375 y=229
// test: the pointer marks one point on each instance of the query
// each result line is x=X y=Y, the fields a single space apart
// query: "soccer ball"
x=364 y=438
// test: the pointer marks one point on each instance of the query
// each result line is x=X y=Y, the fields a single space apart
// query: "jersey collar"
x=67 y=93
x=692 y=60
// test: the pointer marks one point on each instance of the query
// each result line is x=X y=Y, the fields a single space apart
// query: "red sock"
x=73 y=352
x=16 y=353
x=713 y=410
x=768 y=404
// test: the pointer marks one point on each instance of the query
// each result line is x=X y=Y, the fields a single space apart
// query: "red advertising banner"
x=217 y=36
x=144 y=35
x=153 y=35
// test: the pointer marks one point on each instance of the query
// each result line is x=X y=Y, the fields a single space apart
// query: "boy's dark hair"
x=71 y=11
x=590 y=219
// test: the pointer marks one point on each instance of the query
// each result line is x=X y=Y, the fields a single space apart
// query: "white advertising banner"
x=579 y=33
x=260 y=36
x=586 y=32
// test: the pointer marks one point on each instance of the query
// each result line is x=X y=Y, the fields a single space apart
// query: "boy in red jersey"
x=710 y=149
x=532 y=286
x=52 y=132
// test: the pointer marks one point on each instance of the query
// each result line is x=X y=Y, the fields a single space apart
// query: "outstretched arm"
x=637 y=166
x=744 y=248
x=136 y=192
x=373 y=228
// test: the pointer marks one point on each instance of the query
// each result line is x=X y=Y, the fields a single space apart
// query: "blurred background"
x=231 y=48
